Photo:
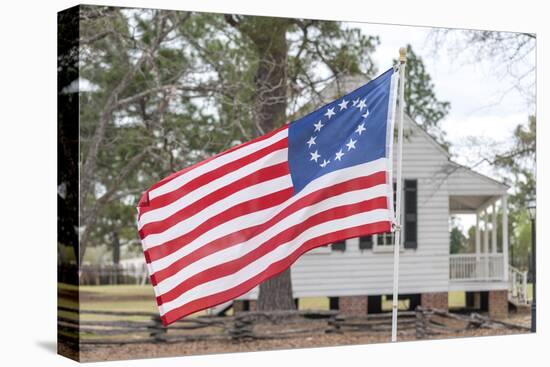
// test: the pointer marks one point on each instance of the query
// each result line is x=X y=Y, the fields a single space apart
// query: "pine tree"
x=421 y=103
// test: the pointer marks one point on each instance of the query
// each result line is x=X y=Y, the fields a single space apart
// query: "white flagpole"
x=399 y=189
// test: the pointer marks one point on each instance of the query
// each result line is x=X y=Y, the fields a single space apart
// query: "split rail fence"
x=145 y=327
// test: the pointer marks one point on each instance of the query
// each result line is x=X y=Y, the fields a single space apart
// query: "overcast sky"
x=480 y=106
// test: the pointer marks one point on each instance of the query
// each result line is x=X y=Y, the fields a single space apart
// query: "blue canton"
x=346 y=132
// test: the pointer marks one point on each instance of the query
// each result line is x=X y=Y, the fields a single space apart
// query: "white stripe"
x=281 y=252
x=258 y=217
x=240 y=250
x=190 y=197
x=187 y=225
x=216 y=163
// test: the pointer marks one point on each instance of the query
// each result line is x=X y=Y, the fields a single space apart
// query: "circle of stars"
x=315 y=156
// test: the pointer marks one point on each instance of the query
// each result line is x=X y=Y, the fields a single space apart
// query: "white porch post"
x=478 y=237
x=486 y=240
x=494 y=229
x=478 y=247
x=504 y=202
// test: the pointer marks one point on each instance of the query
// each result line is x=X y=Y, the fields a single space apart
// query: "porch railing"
x=464 y=267
x=518 y=285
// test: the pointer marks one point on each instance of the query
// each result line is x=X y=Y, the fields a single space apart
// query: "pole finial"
x=402 y=55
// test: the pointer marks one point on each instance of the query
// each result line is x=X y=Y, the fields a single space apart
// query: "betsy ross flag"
x=215 y=230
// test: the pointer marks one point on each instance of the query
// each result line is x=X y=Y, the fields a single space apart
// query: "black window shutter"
x=339 y=246
x=411 y=218
x=365 y=243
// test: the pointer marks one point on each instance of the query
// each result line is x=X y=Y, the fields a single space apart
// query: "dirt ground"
x=149 y=350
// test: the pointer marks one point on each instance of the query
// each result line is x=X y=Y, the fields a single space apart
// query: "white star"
x=325 y=162
x=311 y=141
x=355 y=101
x=343 y=105
x=360 y=129
x=330 y=112
x=351 y=144
x=314 y=156
x=318 y=126
x=361 y=104
x=339 y=155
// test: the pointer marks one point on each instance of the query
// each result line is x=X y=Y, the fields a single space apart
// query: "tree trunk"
x=116 y=255
x=269 y=37
x=276 y=293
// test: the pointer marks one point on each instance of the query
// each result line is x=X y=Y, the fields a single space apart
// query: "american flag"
x=215 y=230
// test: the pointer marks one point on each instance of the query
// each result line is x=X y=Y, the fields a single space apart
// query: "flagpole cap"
x=402 y=55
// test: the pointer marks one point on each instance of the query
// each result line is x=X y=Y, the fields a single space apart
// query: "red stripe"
x=144 y=201
x=281 y=238
x=248 y=233
x=274 y=269
x=207 y=177
x=247 y=207
x=259 y=176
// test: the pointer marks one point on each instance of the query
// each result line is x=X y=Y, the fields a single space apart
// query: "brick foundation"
x=435 y=300
x=353 y=305
x=498 y=304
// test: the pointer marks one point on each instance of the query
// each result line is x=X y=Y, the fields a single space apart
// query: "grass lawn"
x=111 y=290
x=141 y=299
x=126 y=298
x=120 y=290
x=104 y=297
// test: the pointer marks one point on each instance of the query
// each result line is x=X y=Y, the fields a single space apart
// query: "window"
x=380 y=241
x=339 y=246
x=384 y=242
x=365 y=242
x=385 y=239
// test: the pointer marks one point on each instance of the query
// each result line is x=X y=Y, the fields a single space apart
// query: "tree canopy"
x=161 y=90
x=421 y=102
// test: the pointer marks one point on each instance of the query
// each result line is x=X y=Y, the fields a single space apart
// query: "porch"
x=481 y=201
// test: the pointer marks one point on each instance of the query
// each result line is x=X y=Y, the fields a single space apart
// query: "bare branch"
x=95 y=37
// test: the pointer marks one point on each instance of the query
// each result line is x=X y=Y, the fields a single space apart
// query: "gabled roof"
x=476 y=175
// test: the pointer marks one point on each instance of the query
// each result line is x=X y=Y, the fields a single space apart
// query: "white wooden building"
x=358 y=272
